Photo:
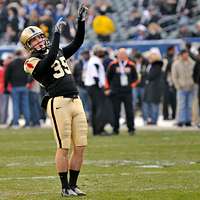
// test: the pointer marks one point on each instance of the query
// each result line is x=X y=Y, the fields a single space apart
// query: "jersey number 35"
x=60 y=67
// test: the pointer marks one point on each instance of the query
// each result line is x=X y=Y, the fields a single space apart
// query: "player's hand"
x=60 y=25
x=82 y=12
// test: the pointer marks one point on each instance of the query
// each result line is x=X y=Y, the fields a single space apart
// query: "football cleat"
x=67 y=192
x=78 y=191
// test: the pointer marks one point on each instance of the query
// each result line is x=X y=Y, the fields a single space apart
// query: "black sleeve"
x=96 y=79
x=154 y=73
x=50 y=58
x=70 y=49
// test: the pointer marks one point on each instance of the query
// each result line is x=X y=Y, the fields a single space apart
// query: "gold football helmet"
x=29 y=33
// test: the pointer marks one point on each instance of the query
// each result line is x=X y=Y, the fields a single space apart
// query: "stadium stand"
x=171 y=19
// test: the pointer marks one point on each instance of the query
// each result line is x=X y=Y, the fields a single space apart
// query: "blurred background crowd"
x=109 y=20
x=149 y=83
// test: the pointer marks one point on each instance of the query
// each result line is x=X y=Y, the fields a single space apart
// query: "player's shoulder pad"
x=30 y=64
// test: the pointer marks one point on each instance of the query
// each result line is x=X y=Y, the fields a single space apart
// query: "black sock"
x=73 y=177
x=63 y=179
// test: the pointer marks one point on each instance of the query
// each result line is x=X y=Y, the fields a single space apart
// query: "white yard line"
x=98 y=175
x=108 y=163
x=27 y=178
x=172 y=187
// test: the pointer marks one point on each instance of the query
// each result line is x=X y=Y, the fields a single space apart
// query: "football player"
x=49 y=65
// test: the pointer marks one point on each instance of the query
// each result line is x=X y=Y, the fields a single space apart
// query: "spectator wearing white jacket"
x=94 y=82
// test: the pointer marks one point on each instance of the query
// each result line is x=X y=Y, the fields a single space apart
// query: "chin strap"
x=41 y=53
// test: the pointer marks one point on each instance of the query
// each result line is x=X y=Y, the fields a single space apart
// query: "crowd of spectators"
x=149 y=85
x=20 y=95
x=164 y=19
x=16 y=15
x=143 y=20
x=166 y=85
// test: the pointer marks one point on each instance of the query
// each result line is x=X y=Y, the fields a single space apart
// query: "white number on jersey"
x=60 y=67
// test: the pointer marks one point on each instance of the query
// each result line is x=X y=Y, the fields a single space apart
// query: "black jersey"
x=52 y=68
x=57 y=78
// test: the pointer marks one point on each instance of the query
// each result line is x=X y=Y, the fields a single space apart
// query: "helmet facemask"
x=39 y=46
x=29 y=37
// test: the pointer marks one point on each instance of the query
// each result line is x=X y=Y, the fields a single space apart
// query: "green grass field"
x=149 y=166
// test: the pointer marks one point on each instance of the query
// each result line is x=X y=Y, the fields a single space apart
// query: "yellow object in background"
x=103 y=25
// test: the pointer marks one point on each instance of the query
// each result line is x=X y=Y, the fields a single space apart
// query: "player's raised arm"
x=69 y=50
x=50 y=58
x=35 y=42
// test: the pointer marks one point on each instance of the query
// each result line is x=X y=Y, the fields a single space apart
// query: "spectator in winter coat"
x=152 y=89
x=18 y=78
x=182 y=76
x=121 y=76
x=169 y=91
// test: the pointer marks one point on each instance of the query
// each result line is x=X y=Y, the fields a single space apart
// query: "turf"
x=152 y=165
